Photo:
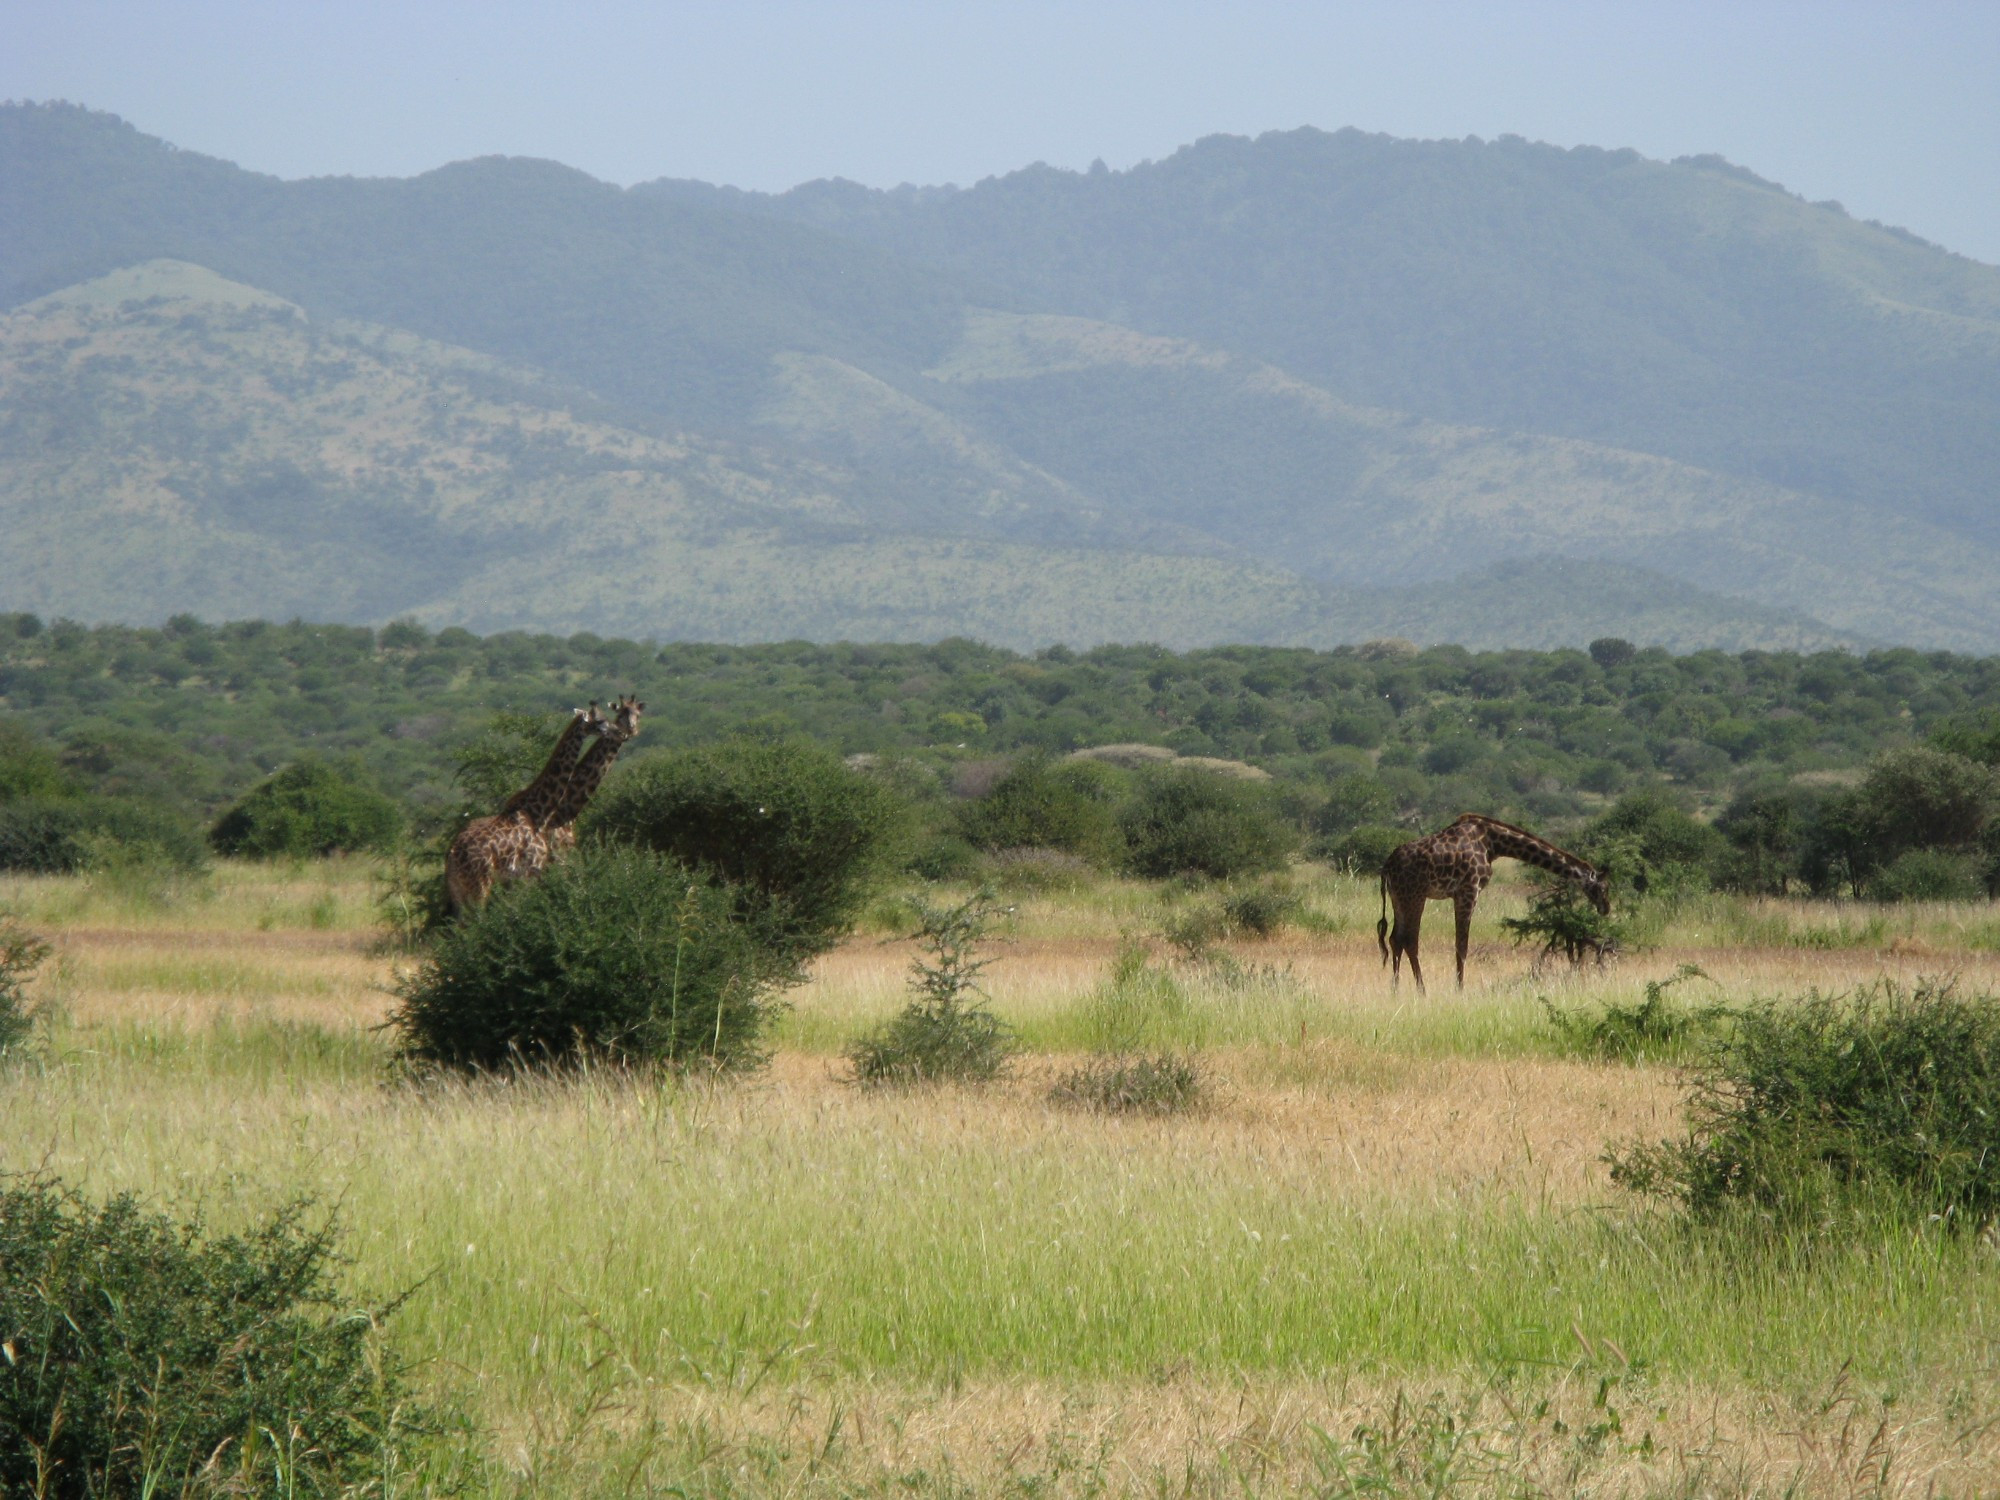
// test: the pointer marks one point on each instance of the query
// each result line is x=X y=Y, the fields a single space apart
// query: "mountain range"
x=1298 y=390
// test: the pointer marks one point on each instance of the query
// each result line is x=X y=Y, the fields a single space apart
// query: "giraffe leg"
x=1461 y=910
x=1409 y=924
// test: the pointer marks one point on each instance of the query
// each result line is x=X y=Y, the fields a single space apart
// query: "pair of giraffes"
x=1454 y=864
x=537 y=826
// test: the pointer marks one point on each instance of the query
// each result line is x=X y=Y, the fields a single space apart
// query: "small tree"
x=311 y=807
x=144 y=1357
x=1191 y=821
x=1809 y=1108
x=945 y=1034
x=791 y=830
x=1039 y=804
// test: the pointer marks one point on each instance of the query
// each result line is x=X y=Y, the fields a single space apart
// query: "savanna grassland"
x=1383 y=1256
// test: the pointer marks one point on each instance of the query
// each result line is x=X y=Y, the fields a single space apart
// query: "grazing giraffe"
x=591 y=766
x=1456 y=863
x=516 y=842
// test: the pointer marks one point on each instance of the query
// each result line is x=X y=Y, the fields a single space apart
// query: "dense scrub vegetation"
x=616 y=954
x=149 y=1358
x=1762 y=771
x=1807 y=1110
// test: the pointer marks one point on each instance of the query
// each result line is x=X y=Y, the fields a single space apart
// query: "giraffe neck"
x=1504 y=841
x=540 y=798
x=589 y=772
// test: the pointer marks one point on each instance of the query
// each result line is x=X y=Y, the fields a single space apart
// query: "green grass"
x=597 y=1256
x=685 y=1226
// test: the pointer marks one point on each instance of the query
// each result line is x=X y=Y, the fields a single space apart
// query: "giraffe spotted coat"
x=1454 y=864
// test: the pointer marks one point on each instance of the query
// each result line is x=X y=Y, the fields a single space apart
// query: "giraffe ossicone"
x=1454 y=864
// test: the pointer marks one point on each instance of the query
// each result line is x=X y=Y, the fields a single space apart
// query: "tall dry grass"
x=1394 y=1221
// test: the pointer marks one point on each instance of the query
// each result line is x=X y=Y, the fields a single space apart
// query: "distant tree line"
x=1827 y=771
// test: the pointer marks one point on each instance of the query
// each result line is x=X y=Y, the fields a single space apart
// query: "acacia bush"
x=1929 y=875
x=945 y=1034
x=1821 y=1111
x=1070 y=806
x=615 y=953
x=311 y=807
x=147 y=1358
x=21 y=954
x=796 y=835
x=62 y=835
x=1657 y=1029
x=1186 y=821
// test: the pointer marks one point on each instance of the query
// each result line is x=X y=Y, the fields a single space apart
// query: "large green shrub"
x=1361 y=851
x=1650 y=845
x=1929 y=875
x=311 y=807
x=57 y=836
x=146 y=1358
x=1071 y=806
x=28 y=768
x=1808 y=1109
x=615 y=953
x=798 y=835
x=1191 y=821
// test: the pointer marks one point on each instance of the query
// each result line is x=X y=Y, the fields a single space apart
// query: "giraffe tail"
x=1382 y=927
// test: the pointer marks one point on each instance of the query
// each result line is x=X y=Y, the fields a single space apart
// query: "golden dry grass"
x=786 y=1285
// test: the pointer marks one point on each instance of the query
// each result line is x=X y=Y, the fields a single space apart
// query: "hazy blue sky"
x=1892 y=108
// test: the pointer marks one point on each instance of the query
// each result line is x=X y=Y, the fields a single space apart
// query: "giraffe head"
x=624 y=721
x=1597 y=889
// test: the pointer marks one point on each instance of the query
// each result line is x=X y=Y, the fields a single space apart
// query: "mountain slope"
x=1688 y=309
x=171 y=440
x=1311 y=364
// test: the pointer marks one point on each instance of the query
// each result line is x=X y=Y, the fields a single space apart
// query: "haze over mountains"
x=1306 y=389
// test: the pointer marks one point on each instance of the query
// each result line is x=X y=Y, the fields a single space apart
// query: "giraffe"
x=516 y=842
x=1456 y=862
x=591 y=766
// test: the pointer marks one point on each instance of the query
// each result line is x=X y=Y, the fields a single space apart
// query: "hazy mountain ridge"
x=1686 y=309
x=864 y=406
x=169 y=439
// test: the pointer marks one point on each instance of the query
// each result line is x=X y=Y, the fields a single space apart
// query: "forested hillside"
x=1299 y=390
x=192 y=713
x=1689 y=309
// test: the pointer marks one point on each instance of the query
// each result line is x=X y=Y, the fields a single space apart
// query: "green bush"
x=1361 y=851
x=1192 y=821
x=28 y=768
x=1813 y=1111
x=615 y=953
x=1070 y=806
x=945 y=1034
x=943 y=856
x=1654 y=1030
x=21 y=953
x=144 y=1357
x=1929 y=875
x=1560 y=921
x=1259 y=910
x=799 y=836
x=311 y=807
x=1652 y=847
x=59 y=836
x=1166 y=1084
